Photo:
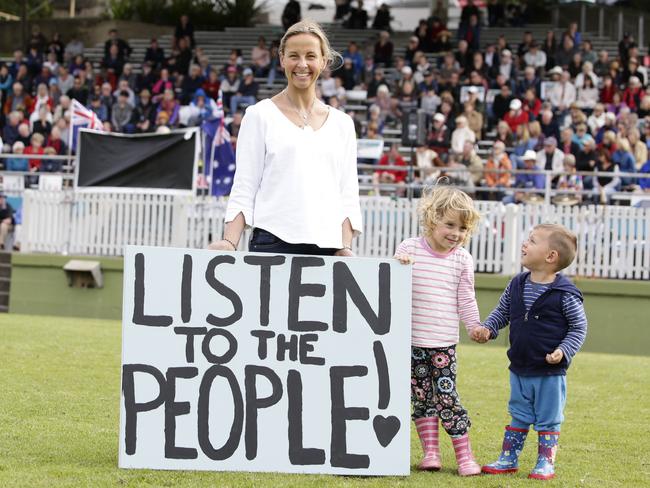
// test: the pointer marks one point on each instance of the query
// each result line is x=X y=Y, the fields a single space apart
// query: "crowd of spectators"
x=576 y=109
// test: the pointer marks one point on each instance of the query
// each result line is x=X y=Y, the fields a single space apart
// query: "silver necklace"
x=304 y=117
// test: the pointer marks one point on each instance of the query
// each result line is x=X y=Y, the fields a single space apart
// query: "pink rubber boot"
x=427 y=428
x=467 y=466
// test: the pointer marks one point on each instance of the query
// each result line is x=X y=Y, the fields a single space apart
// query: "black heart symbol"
x=385 y=428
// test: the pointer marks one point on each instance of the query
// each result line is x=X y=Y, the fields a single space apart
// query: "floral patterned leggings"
x=433 y=388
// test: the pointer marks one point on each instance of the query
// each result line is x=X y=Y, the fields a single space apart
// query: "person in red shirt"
x=212 y=84
x=515 y=116
x=391 y=176
x=36 y=147
x=532 y=105
x=633 y=94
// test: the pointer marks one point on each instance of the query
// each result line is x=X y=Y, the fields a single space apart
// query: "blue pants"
x=263 y=241
x=537 y=400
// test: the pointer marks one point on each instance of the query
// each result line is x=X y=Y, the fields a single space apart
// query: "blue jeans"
x=263 y=241
x=537 y=400
x=237 y=99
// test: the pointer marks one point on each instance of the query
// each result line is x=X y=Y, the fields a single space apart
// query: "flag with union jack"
x=81 y=117
x=218 y=154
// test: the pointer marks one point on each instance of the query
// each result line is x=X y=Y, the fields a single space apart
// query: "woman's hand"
x=221 y=245
x=404 y=258
x=345 y=252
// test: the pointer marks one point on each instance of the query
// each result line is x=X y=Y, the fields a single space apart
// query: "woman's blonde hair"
x=441 y=199
x=307 y=26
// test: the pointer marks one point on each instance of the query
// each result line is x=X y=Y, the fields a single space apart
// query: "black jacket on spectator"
x=584 y=160
x=551 y=130
x=187 y=31
x=81 y=95
x=155 y=56
x=248 y=89
x=373 y=85
x=123 y=48
x=189 y=86
x=501 y=105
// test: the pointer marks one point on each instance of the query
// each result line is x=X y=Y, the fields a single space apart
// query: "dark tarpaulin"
x=161 y=161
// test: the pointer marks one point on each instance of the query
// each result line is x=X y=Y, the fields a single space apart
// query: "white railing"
x=613 y=242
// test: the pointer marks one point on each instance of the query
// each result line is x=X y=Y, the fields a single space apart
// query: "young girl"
x=443 y=294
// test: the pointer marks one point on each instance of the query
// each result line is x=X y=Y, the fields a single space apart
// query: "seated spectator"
x=113 y=64
x=17 y=163
x=644 y=183
x=605 y=185
x=550 y=127
x=7 y=222
x=498 y=160
x=637 y=147
x=550 y=158
x=461 y=134
x=171 y=107
x=184 y=30
x=384 y=50
x=429 y=101
x=18 y=100
x=568 y=143
x=212 y=84
x=54 y=141
x=588 y=95
x=164 y=83
x=121 y=114
x=501 y=103
x=246 y=92
x=50 y=165
x=201 y=109
x=230 y=86
x=347 y=74
x=474 y=119
x=98 y=106
x=78 y=91
x=504 y=134
x=123 y=86
x=191 y=83
x=528 y=181
x=36 y=147
x=439 y=137
x=515 y=116
x=531 y=104
x=390 y=176
x=633 y=94
x=535 y=58
x=144 y=115
x=182 y=58
x=154 y=55
x=575 y=66
x=570 y=182
x=382 y=18
x=358 y=18
x=146 y=79
x=10 y=130
x=472 y=161
x=123 y=48
x=586 y=160
x=261 y=57
x=563 y=94
x=24 y=134
x=587 y=72
x=73 y=48
x=530 y=81
x=43 y=124
x=64 y=80
x=624 y=159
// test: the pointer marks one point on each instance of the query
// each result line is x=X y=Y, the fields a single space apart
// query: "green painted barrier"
x=617 y=310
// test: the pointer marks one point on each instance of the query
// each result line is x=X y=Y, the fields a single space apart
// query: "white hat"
x=515 y=104
x=406 y=70
x=530 y=154
x=556 y=70
x=439 y=117
x=473 y=89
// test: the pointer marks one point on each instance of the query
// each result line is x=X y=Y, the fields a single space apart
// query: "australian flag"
x=218 y=154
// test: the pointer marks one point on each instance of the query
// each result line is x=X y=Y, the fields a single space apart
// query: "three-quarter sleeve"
x=350 y=180
x=249 y=166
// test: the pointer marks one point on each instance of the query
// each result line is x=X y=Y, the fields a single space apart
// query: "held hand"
x=555 y=357
x=404 y=258
x=480 y=334
x=345 y=252
x=221 y=246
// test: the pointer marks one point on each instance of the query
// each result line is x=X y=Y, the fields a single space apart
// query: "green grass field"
x=59 y=428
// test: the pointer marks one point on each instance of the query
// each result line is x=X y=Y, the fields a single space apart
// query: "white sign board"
x=262 y=362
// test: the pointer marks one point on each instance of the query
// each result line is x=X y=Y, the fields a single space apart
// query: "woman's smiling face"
x=302 y=60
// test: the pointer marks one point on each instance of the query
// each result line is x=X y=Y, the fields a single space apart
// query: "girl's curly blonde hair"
x=438 y=201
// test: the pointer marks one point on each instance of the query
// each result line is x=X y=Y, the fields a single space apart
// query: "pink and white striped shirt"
x=442 y=293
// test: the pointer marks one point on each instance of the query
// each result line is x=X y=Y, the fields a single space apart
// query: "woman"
x=296 y=182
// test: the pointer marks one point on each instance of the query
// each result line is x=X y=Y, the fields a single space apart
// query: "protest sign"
x=262 y=362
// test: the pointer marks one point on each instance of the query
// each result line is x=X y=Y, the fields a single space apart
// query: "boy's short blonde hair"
x=438 y=201
x=561 y=240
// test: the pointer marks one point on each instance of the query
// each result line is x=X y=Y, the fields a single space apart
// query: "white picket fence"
x=614 y=242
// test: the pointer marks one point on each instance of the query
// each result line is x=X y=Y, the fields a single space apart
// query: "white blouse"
x=299 y=184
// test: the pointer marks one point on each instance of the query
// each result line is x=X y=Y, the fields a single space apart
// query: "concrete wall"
x=617 y=310
x=89 y=30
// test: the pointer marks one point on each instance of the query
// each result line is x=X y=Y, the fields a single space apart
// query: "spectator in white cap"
x=506 y=66
x=633 y=94
x=563 y=93
x=439 y=137
x=515 y=116
x=526 y=180
x=461 y=134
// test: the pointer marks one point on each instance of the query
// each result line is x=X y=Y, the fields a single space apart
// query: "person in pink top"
x=443 y=295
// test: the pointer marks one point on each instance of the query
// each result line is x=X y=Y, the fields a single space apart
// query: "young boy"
x=547 y=328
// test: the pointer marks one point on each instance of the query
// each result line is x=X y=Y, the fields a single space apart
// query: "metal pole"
x=556 y=17
x=583 y=18
x=601 y=22
x=620 y=24
x=547 y=187
x=72 y=8
x=641 y=29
